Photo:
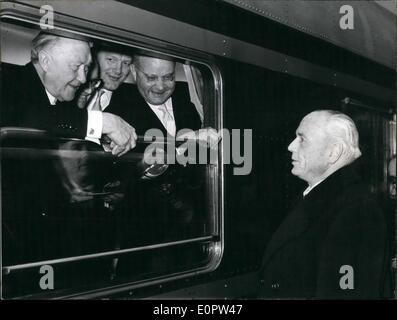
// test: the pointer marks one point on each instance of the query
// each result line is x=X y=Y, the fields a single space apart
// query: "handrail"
x=8 y=269
x=32 y=133
x=37 y=154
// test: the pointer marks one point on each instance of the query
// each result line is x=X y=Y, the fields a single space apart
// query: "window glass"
x=96 y=220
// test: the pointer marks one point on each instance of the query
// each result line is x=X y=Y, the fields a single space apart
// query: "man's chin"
x=295 y=171
x=67 y=98
x=157 y=102
x=158 y=99
x=68 y=95
x=111 y=86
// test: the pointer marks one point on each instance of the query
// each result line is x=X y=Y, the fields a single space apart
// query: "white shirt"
x=105 y=101
x=53 y=100
x=167 y=119
x=310 y=188
x=94 y=124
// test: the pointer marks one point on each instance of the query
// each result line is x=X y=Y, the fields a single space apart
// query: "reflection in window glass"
x=66 y=201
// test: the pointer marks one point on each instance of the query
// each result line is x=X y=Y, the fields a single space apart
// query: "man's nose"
x=117 y=68
x=160 y=85
x=82 y=76
x=292 y=146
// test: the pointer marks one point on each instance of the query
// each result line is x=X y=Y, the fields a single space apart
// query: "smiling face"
x=310 y=149
x=114 y=68
x=65 y=68
x=155 y=78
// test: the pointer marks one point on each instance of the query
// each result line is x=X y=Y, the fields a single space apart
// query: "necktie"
x=98 y=105
x=167 y=119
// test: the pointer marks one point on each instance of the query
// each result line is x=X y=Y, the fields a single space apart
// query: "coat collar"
x=310 y=208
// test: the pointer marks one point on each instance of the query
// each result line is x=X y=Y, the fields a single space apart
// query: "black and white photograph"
x=207 y=150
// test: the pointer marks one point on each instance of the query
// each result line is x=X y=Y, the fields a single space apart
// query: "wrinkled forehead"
x=313 y=124
x=72 y=45
x=73 y=50
x=155 y=66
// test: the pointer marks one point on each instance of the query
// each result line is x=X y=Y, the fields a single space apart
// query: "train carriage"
x=252 y=69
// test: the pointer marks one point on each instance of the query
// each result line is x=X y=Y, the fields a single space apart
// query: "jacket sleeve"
x=352 y=258
x=69 y=121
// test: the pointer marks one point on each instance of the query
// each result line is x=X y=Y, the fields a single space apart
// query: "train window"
x=75 y=218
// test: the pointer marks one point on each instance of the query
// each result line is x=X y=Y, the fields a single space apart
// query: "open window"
x=91 y=221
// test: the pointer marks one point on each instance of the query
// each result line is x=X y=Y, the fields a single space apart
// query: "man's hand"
x=122 y=135
x=207 y=137
x=86 y=94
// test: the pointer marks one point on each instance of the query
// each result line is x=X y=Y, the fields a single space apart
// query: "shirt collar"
x=107 y=92
x=168 y=105
x=310 y=188
x=53 y=100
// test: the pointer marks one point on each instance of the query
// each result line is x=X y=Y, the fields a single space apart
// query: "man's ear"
x=335 y=152
x=44 y=60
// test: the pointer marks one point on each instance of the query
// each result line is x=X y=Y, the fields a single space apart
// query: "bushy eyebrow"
x=300 y=135
x=111 y=56
x=80 y=62
x=154 y=74
x=122 y=58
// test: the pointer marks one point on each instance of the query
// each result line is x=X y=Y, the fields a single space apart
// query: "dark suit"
x=338 y=223
x=24 y=103
x=129 y=104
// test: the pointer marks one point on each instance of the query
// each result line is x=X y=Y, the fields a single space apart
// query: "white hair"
x=46 y=41
x=342 y=127
x=40 y=42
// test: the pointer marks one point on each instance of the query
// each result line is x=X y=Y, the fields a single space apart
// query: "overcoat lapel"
x=305 y=214
x=292 y=227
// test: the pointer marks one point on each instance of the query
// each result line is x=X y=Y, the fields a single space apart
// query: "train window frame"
x=214 y=176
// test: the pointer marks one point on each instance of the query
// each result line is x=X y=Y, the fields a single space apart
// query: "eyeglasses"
x=153 y=78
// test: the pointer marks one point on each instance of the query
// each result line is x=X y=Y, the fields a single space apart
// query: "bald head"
x=326 y=140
